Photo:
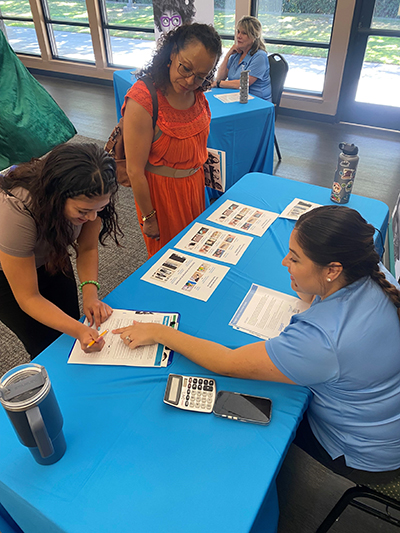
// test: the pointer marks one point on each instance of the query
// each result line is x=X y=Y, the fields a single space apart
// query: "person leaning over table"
x=165 y=166
x=344 y=348
x=248 y=53
x=65 y=199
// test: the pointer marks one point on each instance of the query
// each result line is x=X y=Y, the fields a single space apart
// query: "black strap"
x=152 y=90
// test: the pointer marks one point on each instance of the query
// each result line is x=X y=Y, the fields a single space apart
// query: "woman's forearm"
x=141 y=191
x=47 y=313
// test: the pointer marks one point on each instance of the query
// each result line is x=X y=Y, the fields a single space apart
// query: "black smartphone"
x=243 y=407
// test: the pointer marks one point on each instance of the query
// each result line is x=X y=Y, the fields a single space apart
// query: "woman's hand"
x=150 y=228
x=95 y=310
x=88 y=335
x=234 y=50
x=213 y=84
x=139 y=334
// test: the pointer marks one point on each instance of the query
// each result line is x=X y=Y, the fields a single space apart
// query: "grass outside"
x=301 y=27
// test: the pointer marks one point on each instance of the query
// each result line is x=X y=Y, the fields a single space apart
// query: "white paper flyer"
x=243 y=218
x=265 y=313
x=185 y=274
x=214 y=243
x=297 y=208
x=228 y=98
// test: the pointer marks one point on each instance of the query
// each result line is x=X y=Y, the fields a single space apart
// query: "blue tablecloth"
x=244 y=131
x=134 y=464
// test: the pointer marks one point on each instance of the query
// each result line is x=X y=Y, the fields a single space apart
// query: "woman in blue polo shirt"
x=248 y=53
x=344 y=348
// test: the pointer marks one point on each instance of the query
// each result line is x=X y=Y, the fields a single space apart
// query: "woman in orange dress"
x=165 y=165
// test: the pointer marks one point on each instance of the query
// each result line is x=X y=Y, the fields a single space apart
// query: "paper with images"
x=185 y=274
x=215 y=170
x=214 y=243
x=243 y=217
x=265 y=313
x=297 y=208
x=115 y=352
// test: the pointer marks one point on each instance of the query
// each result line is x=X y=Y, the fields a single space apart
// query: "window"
x=301 y=31
x=68 y=29
x=17 y=24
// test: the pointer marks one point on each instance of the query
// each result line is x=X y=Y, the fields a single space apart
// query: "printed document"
x=243 y=218
x=185 y=274
x=265 y=313
x=228 y=98
x=215 y=170
x=214 y=243
x=115 y=352
x=297 y=208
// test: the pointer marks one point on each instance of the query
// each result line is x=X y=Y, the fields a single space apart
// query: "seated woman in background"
x=248 y=53
x=165 y=165
x=65 y=199
x=344 y=348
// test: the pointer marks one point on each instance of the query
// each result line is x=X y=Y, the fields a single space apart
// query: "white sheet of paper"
x=297 y=208
x=185 y=274
x=214 y=243
x=265 y=313
x=215 y=170
x=243 y=217
x=115 y=352
x=228 y=98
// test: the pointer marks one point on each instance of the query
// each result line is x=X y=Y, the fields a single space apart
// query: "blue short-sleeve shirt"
x=258 y=65
x=346 y=349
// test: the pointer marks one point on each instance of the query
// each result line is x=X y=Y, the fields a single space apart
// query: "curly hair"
x=336 y=233
x=68 y=171
x=177 y=40
x=252 y=27
x=185 y=9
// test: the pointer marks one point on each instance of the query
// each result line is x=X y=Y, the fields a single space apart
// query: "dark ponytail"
x=334 y=233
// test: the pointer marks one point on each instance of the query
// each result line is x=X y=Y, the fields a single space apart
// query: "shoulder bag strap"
x=149 y=84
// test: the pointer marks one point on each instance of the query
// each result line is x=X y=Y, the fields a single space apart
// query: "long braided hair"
x=334 y=233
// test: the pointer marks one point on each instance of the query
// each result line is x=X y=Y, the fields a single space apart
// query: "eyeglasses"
x=174 y=21
x=187 y=73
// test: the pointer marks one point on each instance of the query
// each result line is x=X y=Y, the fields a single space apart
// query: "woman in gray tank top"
x=47 y=206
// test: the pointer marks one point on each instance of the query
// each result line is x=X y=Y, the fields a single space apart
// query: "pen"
x=101 y=334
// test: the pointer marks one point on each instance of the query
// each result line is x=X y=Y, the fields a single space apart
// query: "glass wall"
x=301 y=31
x=68 y=29
x=17 y=23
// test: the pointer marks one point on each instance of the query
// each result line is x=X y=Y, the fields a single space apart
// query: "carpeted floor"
x=115 y=264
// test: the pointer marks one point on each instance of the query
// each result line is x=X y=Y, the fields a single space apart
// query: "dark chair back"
x=278 y=69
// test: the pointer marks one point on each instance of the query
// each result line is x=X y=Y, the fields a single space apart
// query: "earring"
x=169 y=63
x=328 y=279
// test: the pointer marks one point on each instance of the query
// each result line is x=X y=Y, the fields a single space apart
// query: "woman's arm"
x=138 y=137
x=22 y=276
x=235 y=84
x=247 y=362
x=87 y=263
x=222 y=73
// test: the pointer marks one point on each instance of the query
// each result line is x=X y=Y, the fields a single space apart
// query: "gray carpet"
x=115 y=264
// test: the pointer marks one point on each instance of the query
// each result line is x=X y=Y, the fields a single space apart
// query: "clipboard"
x=116 y=353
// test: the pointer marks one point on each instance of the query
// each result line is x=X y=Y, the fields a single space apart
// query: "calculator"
x=190 y=393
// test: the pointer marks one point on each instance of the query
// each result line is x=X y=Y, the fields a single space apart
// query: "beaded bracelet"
x=89 y=281
x=150 y=215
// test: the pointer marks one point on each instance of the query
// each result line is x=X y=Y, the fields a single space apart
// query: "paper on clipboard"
x=115 y=352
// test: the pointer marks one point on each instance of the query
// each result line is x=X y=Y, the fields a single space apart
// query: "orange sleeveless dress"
x=182 y=145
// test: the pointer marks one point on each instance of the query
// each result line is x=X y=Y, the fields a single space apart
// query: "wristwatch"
x=218 y=84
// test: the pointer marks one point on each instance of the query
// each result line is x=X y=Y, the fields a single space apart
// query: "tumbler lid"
x=349 y=149
x=23 y=387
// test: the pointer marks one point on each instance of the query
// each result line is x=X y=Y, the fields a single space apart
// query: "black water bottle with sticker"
x=345 y=173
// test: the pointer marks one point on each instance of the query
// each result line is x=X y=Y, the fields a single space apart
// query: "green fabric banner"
x=31 y=122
